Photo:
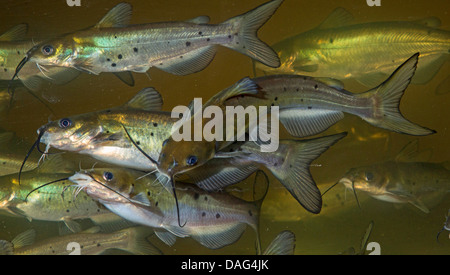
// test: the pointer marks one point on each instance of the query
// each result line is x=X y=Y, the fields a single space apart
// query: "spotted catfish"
x=34 y=200
x=179 y=48
x=13 y=48
x=213 y=219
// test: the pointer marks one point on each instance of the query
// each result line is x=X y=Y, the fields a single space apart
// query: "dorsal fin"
x=410 y=153
x=432 y=22
x=338 y=18
x=203 y=19
x=16 y=33
x=147 y=99
x=119 y=16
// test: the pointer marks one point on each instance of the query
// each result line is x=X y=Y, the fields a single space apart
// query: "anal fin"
x=190 y=62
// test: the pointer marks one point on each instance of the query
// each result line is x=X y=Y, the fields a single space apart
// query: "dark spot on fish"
x=331 y=40
x=107 y=132
x=203 y=214
x=188 y=44
x=236 y=34
x=151 y=134
x=196 y=196
x=206 y=198
x=18 y=52
x=297 y=89
x=49 y=199
x=250 y=213
x=113 y=64
x=98 y=209
x=108 y=111
x=67 y=210
x=156 y=203
x=290 y=166
x=284 y=89
x=309 y=107
x=160 y=64
x=148 y=193
x=217 y=215
x=107 y=59
x=98 y=245
x=243 y=47
x=273 y=104
x=138 y=142
x=276 y=98
x=393 y=61
x=115 y=36
x=229 y=36
x=120 y=56
x=237 y=42
x=316 y=86
x=6 y=70
x=155 y=124
x=207 y=39
x=200 y=33
x=181 y=56
x=135 y=50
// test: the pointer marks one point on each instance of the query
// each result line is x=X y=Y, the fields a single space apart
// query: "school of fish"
x=146 y=186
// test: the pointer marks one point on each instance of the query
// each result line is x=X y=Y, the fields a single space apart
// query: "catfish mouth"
x=347 y=183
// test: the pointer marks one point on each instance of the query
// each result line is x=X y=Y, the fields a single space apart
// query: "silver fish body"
x=207 y=217
x=179 y=48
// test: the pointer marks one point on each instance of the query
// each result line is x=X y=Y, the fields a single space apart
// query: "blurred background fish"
x=421 y=184
x=88 y=242
x=365 y=52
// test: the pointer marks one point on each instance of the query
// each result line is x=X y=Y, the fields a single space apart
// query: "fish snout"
x=80 y=178
x=346 y=182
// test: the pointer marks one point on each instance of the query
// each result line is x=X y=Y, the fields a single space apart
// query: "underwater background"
x=399 y=229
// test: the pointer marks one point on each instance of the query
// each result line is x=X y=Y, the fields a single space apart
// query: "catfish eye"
x=65 y=122
x=108 y=176
x=48 y=50
x=369 y=176
x=191 y=160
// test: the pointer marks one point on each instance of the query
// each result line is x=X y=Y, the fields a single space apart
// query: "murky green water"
x=341 y=224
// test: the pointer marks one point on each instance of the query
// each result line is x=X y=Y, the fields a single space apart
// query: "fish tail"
x=245 y=28
x=139 y=244
x=386 y=98
x=295 y=174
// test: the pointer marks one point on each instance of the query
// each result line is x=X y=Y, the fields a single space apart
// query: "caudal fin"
x=294 y=173
x=386 y=113
x=246 y=40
